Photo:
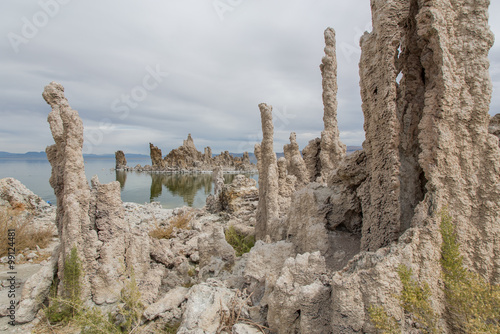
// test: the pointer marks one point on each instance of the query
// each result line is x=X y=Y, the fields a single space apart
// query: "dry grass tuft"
x=229 y=318
x=179 y=222
x=26 y=236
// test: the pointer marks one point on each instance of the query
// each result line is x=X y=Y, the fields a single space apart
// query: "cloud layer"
x=154 y=71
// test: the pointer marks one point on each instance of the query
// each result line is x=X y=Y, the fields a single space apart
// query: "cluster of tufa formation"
x=186 y=158
x=331 y=230
x=88 y=219
x=425 y=103
x=120 y=160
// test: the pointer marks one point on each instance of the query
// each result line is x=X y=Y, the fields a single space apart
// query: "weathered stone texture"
x=286 y=185
x=15 y=195
x=120 y=160
x=427 y=136
x=494 y=126
x=268 y=208
x=106 y=214
x=156 y=157
x=207 y=155
x=69 y=182
x=427 y=148
x=91 y=220
x=295 y=163
x=310 y=155
x=184 y=156
x=332 y=150
x=300 y=301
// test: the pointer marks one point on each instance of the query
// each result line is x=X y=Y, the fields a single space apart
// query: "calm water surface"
x=172 y=190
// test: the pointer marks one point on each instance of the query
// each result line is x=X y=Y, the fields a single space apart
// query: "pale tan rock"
x=214 y=201
x=351 y=171
x=267 y=218
x=215 y=253
x=332 y=150
x=325 y=219
x=295 y=163
x=494 y=126
x=311 y=158
x=207 y=155
x=300 y=301
x=107 y=215
x=172 y=299
x=70 y=184
x=15 y=195
x=425 y=138
x=204 y=305
x=242 y=328
x=156 y=157
x=246 y=158
x=36 y=289
x=240 y=196
x=120 y=160
x=306 y=222
x=91 y=221
x=286 y=184
x=185 y=156
x=263 y=265
x=224 y=159
x=218 y=180
x=427 y=145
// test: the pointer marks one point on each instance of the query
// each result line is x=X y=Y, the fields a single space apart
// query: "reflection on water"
x=181 y=189
x=121 y=176
x=183 y=185
x=171 y=190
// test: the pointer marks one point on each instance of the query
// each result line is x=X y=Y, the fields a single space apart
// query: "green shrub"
x=68 y=309
x=241 y=244
x=382 y=321
x=132 y=309
x=93 y=321
x=414 y=299
x=172 y=328
x=72 y=280
x=471 y=301
x=63 y=308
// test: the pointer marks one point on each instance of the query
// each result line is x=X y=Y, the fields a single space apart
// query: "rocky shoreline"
x=186 y=159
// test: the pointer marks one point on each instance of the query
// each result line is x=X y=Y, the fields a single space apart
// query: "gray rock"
x=245 y=329
x=172 y=299
x=35 y=290
x=204 y=305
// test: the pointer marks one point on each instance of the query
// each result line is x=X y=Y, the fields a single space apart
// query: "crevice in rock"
x=410 y=105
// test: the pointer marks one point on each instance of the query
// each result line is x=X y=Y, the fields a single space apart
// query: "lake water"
x=172 y=190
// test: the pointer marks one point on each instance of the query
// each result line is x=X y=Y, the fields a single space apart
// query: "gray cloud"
x=218 y=71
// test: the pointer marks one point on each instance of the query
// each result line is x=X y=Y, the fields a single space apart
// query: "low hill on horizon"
x=42 y=155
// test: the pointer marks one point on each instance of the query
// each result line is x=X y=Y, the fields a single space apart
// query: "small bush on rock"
x=471 y=301
x=66 y=312
x=241 y=243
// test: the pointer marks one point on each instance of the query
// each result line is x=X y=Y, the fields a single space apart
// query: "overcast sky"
x=154 y=71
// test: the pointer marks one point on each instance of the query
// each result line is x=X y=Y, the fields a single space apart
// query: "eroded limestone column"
x=267 y=218
x=332 y=149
